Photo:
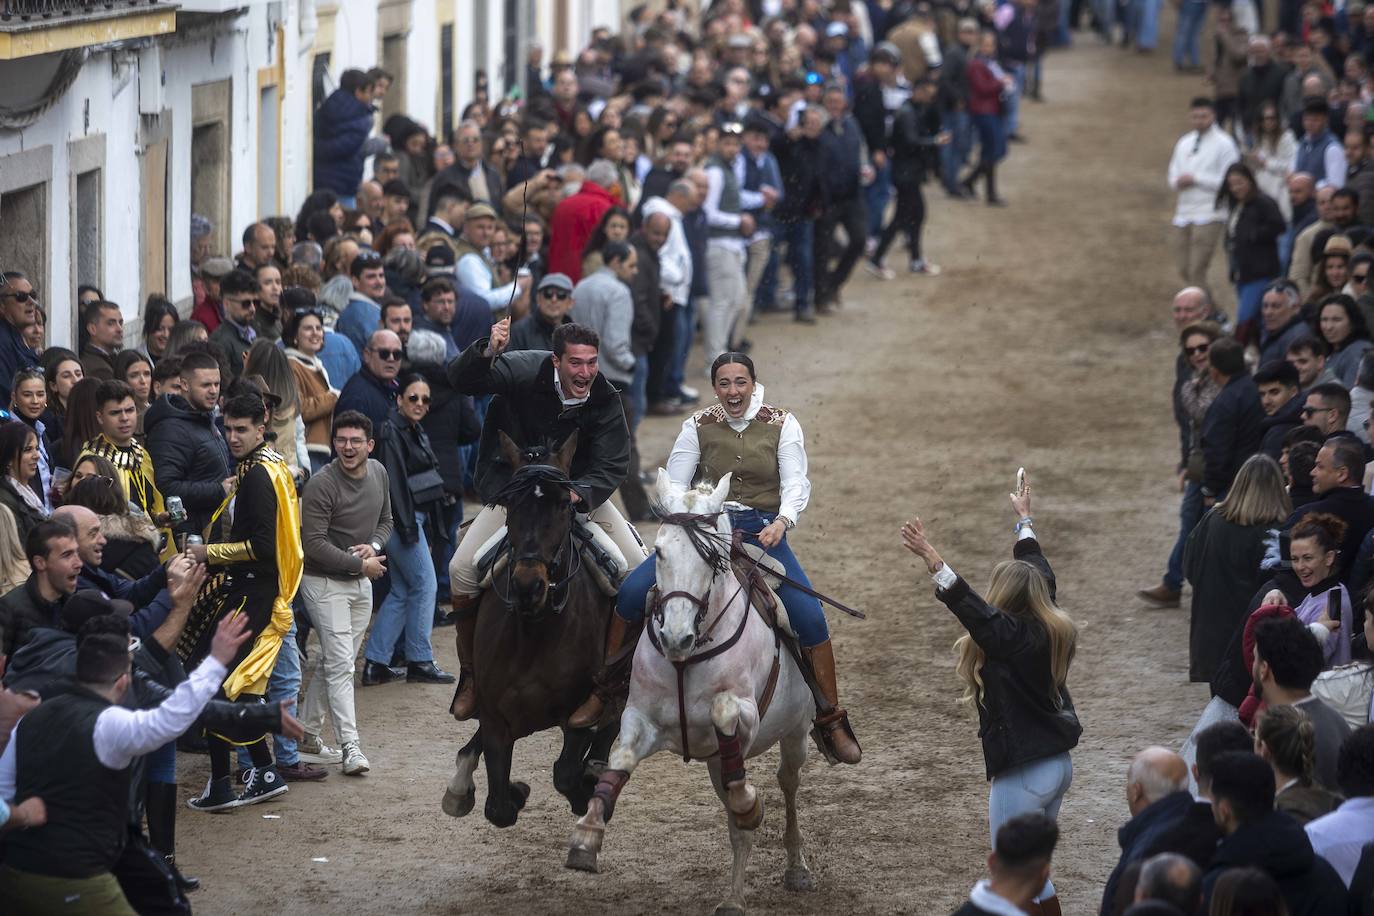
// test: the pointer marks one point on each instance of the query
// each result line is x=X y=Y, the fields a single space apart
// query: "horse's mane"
x=525 y=483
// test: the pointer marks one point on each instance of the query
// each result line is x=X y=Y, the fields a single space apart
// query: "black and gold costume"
x=135 y=467
x=255 y=564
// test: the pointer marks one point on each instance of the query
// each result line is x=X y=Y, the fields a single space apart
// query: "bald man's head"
x=1191 y=305
x=383 y=354
x=90 y=542
x=1155 y=772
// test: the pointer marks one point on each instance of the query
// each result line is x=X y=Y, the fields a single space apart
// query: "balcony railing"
x=32 y=27
x=12 y=11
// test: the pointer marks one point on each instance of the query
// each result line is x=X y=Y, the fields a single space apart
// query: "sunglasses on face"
x=1359 y=278
x=388 y=354
x=21 y=296
x=1313 y=411
x=418 y=398
x=554 y=294
x=1198 y=350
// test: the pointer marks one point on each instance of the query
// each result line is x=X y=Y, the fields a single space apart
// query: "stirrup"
x=822 y=733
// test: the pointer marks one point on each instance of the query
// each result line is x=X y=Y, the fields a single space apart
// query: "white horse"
x=708 y=652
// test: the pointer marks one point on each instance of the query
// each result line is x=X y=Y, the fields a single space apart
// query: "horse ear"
x=511 y=452
x=564 y=458
x=721 y=493
x=663 y=487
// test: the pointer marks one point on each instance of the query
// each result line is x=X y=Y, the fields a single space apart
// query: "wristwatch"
x=787 y=522
x=376 y=547
x=1024 y=522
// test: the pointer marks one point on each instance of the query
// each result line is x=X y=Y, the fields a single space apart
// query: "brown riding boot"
x=465 y=627
x=834 y=724
x=589 y=713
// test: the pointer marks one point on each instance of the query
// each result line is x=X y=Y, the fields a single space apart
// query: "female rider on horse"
x=761 y=446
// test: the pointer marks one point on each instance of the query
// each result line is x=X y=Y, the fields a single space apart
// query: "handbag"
x=426 y=487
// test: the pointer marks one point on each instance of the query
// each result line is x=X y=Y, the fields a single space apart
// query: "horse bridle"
x=568 y=554
x=701 y=533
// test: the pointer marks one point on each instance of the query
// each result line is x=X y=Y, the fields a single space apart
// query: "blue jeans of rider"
x=808 y=620
x=409 y=606
x=1034 y=786
x=284 y=684
x=1189 y=514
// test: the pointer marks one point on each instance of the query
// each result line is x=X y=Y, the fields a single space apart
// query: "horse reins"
x=521 y=483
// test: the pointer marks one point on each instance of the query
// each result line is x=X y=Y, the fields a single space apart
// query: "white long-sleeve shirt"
x=122 y=735
x=675 y=257
x=1206 y=157
x=718 y=218
x=795 y=489
x=475 y=275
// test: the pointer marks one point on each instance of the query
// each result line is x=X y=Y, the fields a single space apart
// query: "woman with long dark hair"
x=159 y=317
x=1254 y=224
x=1342 y=326
x=303 y=336
x=1014 y=663
x=80 y=426
x=28 y=403
x=269 y=362
x=614 y=227
x=61 y=371
x=136 y=370
x=19 y=461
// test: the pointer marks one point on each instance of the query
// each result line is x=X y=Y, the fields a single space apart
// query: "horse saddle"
x=600 y=556
x=761 y=575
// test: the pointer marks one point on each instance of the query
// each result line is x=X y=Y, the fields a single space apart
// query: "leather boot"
x=834 y=724
x=589 y=713
x=1049 y=906
x=160 y=806
x=465 y=626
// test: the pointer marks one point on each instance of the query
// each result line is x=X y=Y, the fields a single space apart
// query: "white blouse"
x=795 y=489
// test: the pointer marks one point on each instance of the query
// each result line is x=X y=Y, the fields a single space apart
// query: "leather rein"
x=569 y=556
x=694 y=524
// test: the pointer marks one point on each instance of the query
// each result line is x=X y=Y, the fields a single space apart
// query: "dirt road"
x=1045 y=343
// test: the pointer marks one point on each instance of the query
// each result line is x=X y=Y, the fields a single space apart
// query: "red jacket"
x=574 y=220
x=208 y=312
x=984 y=89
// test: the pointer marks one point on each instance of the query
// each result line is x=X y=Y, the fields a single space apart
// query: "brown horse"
x=541 y=634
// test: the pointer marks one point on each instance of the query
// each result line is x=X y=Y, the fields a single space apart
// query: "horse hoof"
x=459 y=805
x=798 y=878
x=501 y=815
x=519 y=794
x=582 y=860
x=730 y=908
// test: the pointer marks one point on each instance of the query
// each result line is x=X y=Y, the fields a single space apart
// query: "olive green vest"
x=750 y=456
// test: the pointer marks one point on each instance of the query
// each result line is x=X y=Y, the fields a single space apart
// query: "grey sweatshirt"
x=338 y=512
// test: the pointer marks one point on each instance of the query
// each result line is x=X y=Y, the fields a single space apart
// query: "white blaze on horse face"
x=679 y=567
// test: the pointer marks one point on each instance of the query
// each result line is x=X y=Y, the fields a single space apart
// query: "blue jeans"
x=1035 y=786
x=1189 y=514
x=799 y=236
x=876 y=196
x=1248 y=299
x=954 y=154
x=805 y=611
x=1145 y=14
x=1105 y=13
x=162 y=764
x=409 y=606
x=685 y=316
x=284 y=684
x=1191 y=16
x=1011 y=107
x=992 y=140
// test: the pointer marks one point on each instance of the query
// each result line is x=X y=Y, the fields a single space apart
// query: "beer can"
x=194 y=539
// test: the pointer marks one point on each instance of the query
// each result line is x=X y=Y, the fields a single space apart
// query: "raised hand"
x=1020 y=500
x=231 y=633
x=914 y=539
x=500 y=337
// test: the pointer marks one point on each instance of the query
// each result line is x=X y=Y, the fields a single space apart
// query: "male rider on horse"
x=543 y=399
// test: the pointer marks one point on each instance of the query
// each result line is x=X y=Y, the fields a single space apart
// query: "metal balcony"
x=31 y=27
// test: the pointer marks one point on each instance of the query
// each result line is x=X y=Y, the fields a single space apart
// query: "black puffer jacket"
x=531 y=413
x=190 y=458
x=406 y=453
x=1018 y=719
x=451 y=422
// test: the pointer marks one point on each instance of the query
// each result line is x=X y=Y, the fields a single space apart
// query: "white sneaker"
x=313 y=750
x=689 y=392
x=925 y=268
x=354 y=763
x=878 y=270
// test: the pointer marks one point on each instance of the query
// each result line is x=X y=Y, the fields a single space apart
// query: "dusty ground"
x=1045 y=344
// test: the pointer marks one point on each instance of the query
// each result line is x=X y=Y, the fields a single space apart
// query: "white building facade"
x=116 y=124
